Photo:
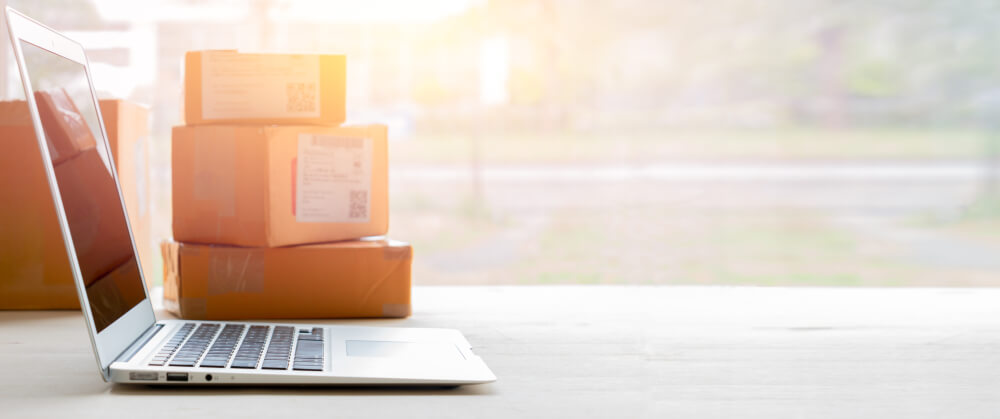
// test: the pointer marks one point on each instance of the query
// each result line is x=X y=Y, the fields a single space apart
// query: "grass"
x=979 y=221
x=757 y=247
x=649 y=246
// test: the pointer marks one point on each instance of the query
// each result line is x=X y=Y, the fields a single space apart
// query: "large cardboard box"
x=34 y=268
x=226 y=87
x=265 y=186
x=365 y=278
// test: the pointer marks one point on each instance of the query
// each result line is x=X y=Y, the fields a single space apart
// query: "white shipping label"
x=237 y=85
x=333 y=179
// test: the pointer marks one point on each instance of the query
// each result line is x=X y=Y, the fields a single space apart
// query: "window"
x=636 y=141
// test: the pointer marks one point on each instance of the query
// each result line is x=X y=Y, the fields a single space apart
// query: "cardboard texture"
x=365 y=278
x=228 y=87
x=34 y=272
x=248 y=186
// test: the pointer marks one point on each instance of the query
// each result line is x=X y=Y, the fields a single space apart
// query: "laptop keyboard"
x=242 y=346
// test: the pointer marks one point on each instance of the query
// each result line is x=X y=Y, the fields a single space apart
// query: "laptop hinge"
x=144 y=338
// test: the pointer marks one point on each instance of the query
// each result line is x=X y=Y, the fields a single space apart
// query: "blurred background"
x=788 y=142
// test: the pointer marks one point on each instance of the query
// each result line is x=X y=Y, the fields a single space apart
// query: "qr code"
x=301 y=97
x=359 y=205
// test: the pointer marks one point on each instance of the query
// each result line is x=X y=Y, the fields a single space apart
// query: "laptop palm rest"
x=427 y=351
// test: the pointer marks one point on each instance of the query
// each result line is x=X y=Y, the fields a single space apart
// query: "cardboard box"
x=265 y=186
x=366 y=278
x=127 y=125
x=228 y=87
x=34 y=269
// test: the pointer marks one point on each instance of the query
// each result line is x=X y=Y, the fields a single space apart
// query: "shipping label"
x=237 y=85
x=333 y=179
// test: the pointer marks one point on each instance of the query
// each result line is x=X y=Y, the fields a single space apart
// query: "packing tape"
x=193 y=308
x=397 y=250
x=172 y=306
x=236 y=271
x=396 y=310
x=170 y=270
x=214 y=153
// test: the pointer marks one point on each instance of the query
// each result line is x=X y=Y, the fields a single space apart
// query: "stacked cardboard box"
x=272 y=196
x=35 y=271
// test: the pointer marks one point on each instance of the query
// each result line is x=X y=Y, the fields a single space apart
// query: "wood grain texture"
x=599 y=351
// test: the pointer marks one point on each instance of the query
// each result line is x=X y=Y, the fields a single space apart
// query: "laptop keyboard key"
x=243 y=363
x=213 y=363
x=275 y=364
x=309 y=351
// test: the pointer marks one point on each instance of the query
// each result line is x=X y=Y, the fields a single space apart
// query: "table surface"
x=600 y=351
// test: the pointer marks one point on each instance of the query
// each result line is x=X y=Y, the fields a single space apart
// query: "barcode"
x=359 y=205
x=301 y=97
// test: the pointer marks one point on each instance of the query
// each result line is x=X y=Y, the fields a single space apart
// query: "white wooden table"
x=596 y=351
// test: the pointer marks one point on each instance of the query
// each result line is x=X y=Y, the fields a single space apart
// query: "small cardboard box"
x=229 y=87
x=34 y=269
x=266 y=186
x=365 y=278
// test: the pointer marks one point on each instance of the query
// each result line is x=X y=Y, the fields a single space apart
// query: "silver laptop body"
x=130 y=344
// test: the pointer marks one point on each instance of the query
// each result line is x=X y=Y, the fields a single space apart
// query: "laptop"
x=130 y=344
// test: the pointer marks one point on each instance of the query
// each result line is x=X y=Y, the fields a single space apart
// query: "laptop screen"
x=90 y=198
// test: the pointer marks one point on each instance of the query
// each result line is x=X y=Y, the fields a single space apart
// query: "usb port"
x=177 y=376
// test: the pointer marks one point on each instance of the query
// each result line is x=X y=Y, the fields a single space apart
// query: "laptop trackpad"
x=404 y=350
